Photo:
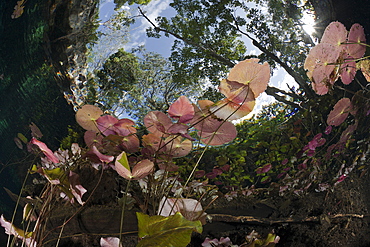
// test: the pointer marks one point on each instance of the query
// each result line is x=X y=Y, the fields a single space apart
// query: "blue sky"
x=163 y=45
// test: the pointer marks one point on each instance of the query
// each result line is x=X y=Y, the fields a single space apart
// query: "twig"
x=250 y=219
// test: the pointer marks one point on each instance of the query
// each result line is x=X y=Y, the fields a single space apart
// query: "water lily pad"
x=86 y=117
x=340 y=112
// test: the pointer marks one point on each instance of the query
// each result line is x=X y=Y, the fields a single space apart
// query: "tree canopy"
x=137 y=82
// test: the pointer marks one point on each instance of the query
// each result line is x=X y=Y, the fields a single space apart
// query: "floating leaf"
x=87 y=115
x=93 y=138
x=356 y=35
x=182 y=110
x=76 y=188
x=236 y=92
x=157 y=122
x=106 y=124
x=48 y=153
x=153 y=142
x=142 y=169
x=326 y=55
x=178 y=146
x=251 y=72
x=340 y=112
x=335 y=34
x=130 y=143
x=203 y=119
x=174 y=230
x=124 y=127
x=348 y=70
x=224 y=134
x=18 y=142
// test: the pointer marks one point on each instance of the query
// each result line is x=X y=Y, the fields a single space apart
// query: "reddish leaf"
x=87 y=115
x=157 y=122
x=203 y=120
x=93 y=138
x=178 y=146
x=35 y=131
x=106 y=124
x=325 y=55
x=364 y=65
x=356 y=35
x=340 y=112
x=226 y=133
x=142 y=169
x=236 y=92
x=48 y=153
x=124 y=127
x=334 y=34
x=348 y=70
x=182 y=110
x=153 y=142
x=95 y=155
x=76 y=188
x=346 y=134
x=130 y=143
x=251 y=72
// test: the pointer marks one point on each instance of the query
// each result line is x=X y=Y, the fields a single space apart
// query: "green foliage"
x=209 y=35
x=171 y=231
x=120 y=3
x=137 y=83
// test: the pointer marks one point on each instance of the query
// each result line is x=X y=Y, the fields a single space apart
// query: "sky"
x=280 y=78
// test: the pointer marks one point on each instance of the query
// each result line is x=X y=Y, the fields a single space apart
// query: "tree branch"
x=272 y=91
x=188 y=41
x=301 y=82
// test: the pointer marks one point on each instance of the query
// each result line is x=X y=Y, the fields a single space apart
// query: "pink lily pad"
x=335 y=34
x=182 y=110
x=178 y=146
x=251 y=72
x=87 y=115
x=106 y=124
x=348 y=70
x=224 y=134
x=157 y=123
x=236 y=92
x=340 y=112
x=356 y=35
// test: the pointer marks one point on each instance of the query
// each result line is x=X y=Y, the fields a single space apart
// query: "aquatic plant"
x=148 y=157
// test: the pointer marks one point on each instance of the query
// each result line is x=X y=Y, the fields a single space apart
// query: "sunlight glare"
x=308 y=23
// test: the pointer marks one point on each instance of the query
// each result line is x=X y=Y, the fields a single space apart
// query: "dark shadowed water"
x=28 y=92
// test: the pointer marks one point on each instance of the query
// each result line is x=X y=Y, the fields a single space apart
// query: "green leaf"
x=162 y=231
x=122 y=159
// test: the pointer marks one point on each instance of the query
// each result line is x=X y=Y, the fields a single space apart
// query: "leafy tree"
x=209 y=38
x=137 y=82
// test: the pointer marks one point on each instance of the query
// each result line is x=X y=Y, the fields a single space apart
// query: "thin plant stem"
x=123 y=210
x=17 y=203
